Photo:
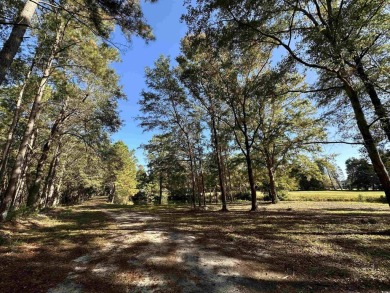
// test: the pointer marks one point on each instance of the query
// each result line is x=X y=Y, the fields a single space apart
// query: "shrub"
x=283 y=195
x=22 y=211
x=141 y=197
x=380 y=199
x=243 y=195
x=180 y=195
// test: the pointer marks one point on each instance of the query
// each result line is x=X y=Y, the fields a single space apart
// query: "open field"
x=288 y=247
x=337 y=195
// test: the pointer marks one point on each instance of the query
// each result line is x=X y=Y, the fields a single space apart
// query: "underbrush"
x=21 y=212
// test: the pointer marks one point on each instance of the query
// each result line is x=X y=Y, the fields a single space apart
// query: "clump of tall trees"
x=59 y=100
x=240 y=101
x=361 y=174
x=221 y=110
x=344 y=44
x=120 y=179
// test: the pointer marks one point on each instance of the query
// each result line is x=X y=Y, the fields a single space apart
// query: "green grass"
x=337 y=195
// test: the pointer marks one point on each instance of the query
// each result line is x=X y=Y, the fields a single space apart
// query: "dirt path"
x=160 y=260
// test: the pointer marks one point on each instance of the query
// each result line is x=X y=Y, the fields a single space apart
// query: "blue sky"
x=164 y=17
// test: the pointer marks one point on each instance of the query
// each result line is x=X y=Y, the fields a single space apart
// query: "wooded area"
x=239 y=117
x=246 y=115
x=59 y=102
x=236 y=114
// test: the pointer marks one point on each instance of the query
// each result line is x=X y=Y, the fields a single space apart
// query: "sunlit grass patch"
x=337 y=195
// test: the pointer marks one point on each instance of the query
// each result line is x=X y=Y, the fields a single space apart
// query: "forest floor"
x=288 y=247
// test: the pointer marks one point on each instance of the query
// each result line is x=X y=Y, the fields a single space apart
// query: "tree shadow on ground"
x=165 y=249
x=38 y=252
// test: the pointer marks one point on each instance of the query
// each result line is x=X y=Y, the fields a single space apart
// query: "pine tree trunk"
x=18 y=199
x=203 y=187
x=12 y=128
x=193 y=180
x=219 y=164
x=251 y=179
x=198 y=187
x=369 y=141
x=33 y=192
x=160 y=181
x=49 y=181
x=55 y=196
x=22 y=180
x=251 y=183
x=36 y=108
x=229 y=183
x=271 y=175
x=202 y=200
x=12 y=45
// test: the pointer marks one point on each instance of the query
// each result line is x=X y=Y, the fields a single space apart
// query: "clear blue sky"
x=164 y=17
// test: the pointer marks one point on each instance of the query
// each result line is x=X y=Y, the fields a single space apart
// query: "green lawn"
x=337 y=195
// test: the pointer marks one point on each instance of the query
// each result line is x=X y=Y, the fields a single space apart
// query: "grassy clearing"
x=288 y=247
x=337 y=195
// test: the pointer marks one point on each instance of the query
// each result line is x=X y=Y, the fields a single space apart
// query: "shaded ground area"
x=289 y=247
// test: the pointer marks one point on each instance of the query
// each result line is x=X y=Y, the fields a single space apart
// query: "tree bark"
x=12 y=45
x=160 y=181
x=228 y=179
x=203 y=187
x=219 y=164
x=49 y=182
x=369 y=141
x=22 y=180
x=18 y=199
x=36 y=108
x=202 y=194
x=198 y=184
x=12 y=128
x=33 y=192
x=251 y=182
x=380 y=110
x=271 y=175
x=251 y=179
x=54 y=192
x=111 y=192
x=193 y=182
